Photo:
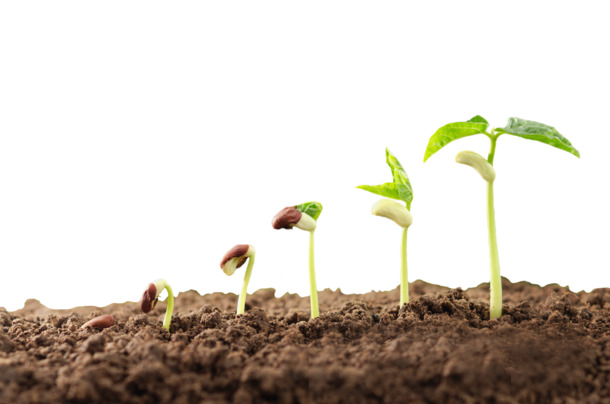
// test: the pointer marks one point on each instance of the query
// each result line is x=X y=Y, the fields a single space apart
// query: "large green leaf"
x=313 y=209
x=399 y=189
x=454 y=131
x=539 y=132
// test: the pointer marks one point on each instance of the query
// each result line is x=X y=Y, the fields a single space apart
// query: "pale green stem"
x=495 y=283
x=170 y=307
x=404 y=280
x=315 y=312
x=241 y=304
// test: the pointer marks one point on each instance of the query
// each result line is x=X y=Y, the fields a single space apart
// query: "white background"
x=141 y=140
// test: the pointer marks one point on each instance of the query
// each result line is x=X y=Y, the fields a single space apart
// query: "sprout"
x=304 y=217
x=478 y=125
x=400 y=189
x=99 y=322
x=233 y=259
x=151 y=296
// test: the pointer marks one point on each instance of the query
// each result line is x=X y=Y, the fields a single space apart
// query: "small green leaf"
x=400 y=189
x=401 y=180
x=539 y=132
x=388 y=190
x=454 y=131
x=313 y=209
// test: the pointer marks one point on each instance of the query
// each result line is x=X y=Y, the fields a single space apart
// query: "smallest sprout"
x=477 y=162
x=233 y=259
x=99 y=322
x=394 y=211
x=151 y=296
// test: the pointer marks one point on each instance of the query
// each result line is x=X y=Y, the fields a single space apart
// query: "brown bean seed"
x=100 y=322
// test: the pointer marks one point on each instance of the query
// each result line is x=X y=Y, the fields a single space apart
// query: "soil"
x=550 y=346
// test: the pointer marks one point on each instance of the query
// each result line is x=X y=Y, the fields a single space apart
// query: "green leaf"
x=399 y=189
x=388 y=190
x=313 y=209
x=401 y=180
x=539 y=132
x=479 y=119
x=454 y=131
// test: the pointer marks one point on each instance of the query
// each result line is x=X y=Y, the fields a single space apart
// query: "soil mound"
x=551 y=345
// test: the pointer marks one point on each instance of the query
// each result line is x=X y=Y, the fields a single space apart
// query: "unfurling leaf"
x=401 y=180
x=399 y=189
x=313 y=209
x=454 y=131
x=539 y=132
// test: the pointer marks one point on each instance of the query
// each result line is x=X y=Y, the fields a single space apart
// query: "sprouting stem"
x=241 y=304
x=490 y=158
x=315 y=312
x=495 y=283
x=170 y=306
x=404 y=282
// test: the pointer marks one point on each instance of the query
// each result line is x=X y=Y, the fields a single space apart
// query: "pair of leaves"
x=516 y=127
x=399 y=189
x=313 y=209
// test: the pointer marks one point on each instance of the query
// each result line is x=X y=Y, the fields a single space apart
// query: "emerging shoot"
x=233 y=259
x=151 y=296
x=478 y=125
x=304 y=217
x=400 y=189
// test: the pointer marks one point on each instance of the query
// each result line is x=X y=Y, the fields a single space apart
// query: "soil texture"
x=550 y=346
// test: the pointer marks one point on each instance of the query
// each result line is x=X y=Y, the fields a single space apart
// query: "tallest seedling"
x=478 y=125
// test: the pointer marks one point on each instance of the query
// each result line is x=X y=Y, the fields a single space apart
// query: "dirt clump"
x=550 y=346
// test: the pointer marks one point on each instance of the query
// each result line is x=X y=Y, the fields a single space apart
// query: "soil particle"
x=549 y=346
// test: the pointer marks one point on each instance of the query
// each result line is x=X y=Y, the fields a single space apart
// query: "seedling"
x=400 y=189
x=478 y=125
x=151 y=296
x=233 y=259
x=304 y=217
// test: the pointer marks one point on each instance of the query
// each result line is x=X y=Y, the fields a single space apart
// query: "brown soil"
x=550 y=346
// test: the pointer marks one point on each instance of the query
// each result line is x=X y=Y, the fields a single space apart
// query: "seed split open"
x=151 y=296
x=286 y=218
x=235 y=258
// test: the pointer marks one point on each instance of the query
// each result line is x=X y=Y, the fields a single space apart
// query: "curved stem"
x=315 y=312
x=170 y=307
x=404 y=282
x=241 y=304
